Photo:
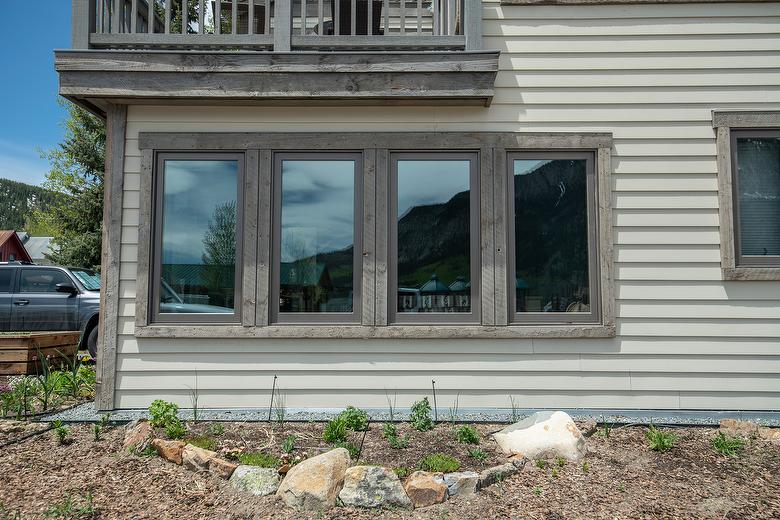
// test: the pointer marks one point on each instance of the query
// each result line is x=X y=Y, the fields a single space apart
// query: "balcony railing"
x=277 y=25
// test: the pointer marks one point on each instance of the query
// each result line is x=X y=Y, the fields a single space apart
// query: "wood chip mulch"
x=621 y=479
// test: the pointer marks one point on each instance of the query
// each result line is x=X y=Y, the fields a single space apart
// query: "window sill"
x=368 y=332
x=751 y=273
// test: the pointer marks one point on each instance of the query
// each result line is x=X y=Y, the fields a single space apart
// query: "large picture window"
x=317 y=246
x=198 y=247
x=552 y=234
x=756 y=196
x=434 y=237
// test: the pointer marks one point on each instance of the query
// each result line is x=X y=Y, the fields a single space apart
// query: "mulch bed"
x=623 y=479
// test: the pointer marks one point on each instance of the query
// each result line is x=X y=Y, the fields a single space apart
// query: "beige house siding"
x=649 y=74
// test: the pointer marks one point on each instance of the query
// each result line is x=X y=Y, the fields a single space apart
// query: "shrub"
x=175 y=430
x=727 y=445
x=402 y=471
x=258 y=458
x=390 y=432
x=289 y=444
x=355 y=419
x=560 y=461
x=541 y=463
x=96 y=432
x=420 y=417
x=163 y=413
x=467 y=435
x=216 y=429
x=202 y=441
x=354 y=452
x=660 y=440
x=61 y=432
x=477 y=454
x=335 y=430
x=439 y=463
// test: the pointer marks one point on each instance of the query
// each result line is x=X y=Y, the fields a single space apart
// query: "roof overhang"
x=94 y=78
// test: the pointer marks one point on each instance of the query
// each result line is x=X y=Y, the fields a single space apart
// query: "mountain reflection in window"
x=317 y=236
x=758 y=183
x=434 y=265
x=198 y=250
x=551 y=236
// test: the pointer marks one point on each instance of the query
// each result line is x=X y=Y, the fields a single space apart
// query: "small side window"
x=6 y=277
x=41 y=280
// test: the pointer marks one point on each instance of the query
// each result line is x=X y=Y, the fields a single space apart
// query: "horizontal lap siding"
x=649 y=74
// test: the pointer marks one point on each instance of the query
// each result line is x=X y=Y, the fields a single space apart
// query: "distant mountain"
x=18 y=200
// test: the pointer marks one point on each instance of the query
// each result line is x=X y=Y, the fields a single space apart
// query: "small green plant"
x=354 y=452
x=105 y=420
x=175 y=430
x=147 y=452
x=216 y=429
x=61 y=432
x=541 y=463
x=280 y=411
x=96 y=432
x=660 y=440
x=585 y=467
x=420 y=416
x=202 y=441
x=515 y=409
x=355 y=419
x=538 y=491
x=335 y=430
x=439 y=463
x=289 y=444
x=162 y=413
x=727 y=445
x=402 y=471
x=560 y=461
x=554 y=473
x=390 y=432
x=621 y=487
x=69 y=508
x=467 y=435
x=453 y=411
x=258 y=458
x=477 y=454
x=194 y=398
x=391 y=404
x=606 y=431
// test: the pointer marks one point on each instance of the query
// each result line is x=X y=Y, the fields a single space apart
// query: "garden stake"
x=362 y=440
x=435 y=410
x=271 y=404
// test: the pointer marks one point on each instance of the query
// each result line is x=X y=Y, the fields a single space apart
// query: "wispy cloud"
x=22 y=162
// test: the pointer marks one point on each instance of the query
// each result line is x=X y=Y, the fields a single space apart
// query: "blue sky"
x=31 y=117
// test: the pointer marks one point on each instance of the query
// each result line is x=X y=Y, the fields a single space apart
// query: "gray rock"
x=255 y=480
x=373 y=486
x=314 y=483
x=496 y=474
x=462 y=483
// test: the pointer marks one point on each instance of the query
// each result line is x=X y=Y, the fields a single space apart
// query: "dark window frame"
x=156 y=317
x=740 y=260
x=34 y=269
x=340 y=318
x=595 y=296
x=433 y=318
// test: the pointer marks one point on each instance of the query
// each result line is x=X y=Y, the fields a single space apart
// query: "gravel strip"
x=87 y=413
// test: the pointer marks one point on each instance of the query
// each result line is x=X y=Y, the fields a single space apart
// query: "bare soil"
x=621 y=478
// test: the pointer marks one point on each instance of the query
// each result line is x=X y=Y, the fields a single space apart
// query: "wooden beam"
x=110 y=256
x=83 y=22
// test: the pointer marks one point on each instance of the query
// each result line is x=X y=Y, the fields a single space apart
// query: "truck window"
x=6 y=275
x=41 y=280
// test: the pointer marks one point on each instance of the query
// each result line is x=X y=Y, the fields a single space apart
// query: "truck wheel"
x=92 y=342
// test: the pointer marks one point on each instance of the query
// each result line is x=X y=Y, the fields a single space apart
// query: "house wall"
x=649 y=74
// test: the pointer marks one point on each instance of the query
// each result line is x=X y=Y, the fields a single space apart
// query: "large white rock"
x=544 y=434
x=314 y=484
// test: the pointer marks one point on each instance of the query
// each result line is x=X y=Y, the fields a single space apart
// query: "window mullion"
x=369 y=238
x=250 y=224
x=500 y=265
x=265 y=187
x=486 y=231
x=381 y=238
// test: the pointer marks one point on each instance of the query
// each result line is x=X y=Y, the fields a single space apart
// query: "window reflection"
x=199 y=222
x=433 y=236
x=551 y=236
x=316 y=272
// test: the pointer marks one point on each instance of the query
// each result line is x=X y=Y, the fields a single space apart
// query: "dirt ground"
x=621 y=479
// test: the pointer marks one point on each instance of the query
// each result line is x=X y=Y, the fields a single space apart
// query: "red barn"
x=11 y=248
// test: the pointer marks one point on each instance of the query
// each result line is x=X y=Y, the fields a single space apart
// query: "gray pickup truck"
x=49 y=298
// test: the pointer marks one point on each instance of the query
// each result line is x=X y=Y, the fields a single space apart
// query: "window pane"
x=434 y=239
x=42 y=280
x=758 y=184
x=5 y=280
x=198 y=253
x=551 y=236
x=318 y=235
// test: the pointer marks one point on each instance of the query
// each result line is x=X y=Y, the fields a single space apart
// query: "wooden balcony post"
x=473 y=24
x=83 y=23
x=282 y=25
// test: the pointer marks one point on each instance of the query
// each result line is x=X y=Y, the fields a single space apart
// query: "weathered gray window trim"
x=729 y=125
x=357 y=276
x=154 y=289
x=377 y=147
x=594 y=316
x=472 y=317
